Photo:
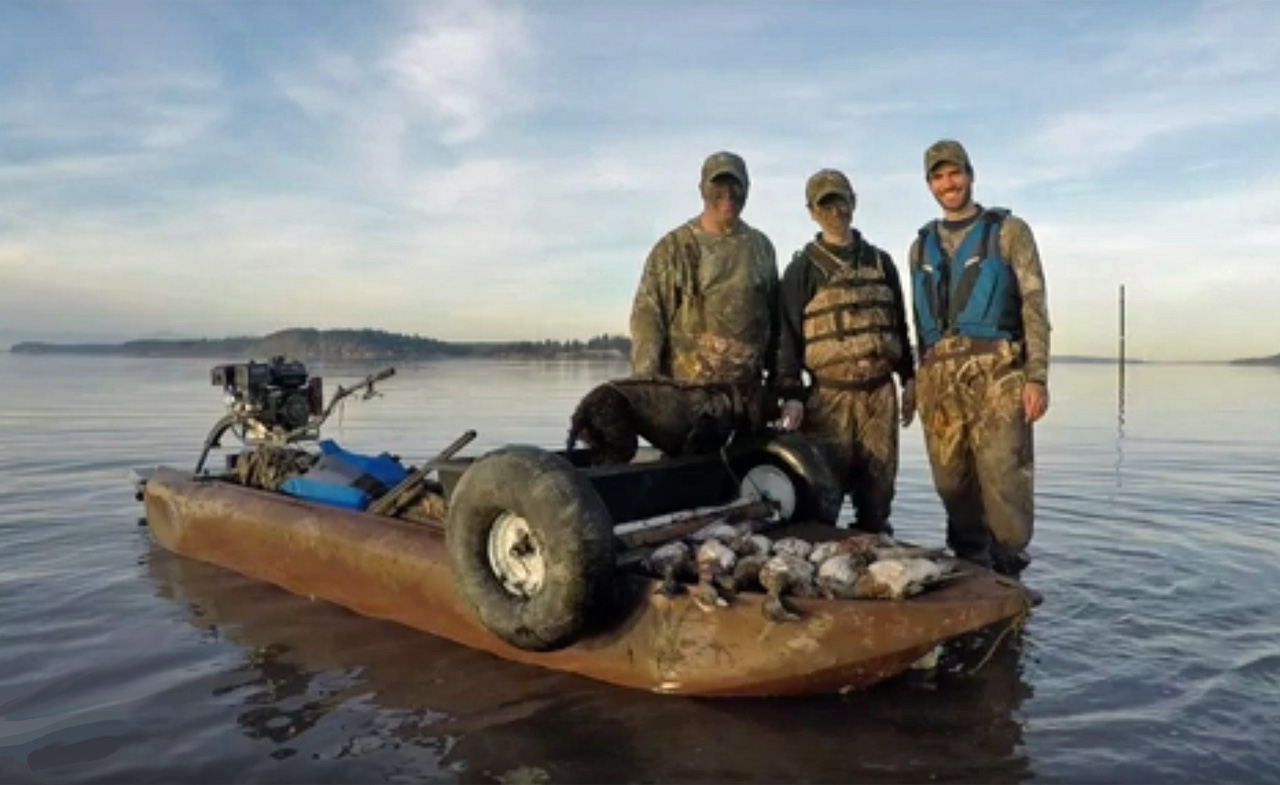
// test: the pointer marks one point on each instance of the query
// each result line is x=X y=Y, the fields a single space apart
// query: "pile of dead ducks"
x=722 y=560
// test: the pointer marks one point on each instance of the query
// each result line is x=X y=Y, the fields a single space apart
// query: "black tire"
x=568 y=526
x=818 y=494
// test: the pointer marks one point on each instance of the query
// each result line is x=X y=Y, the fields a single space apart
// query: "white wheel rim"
x=769 y=483
x=516 y=556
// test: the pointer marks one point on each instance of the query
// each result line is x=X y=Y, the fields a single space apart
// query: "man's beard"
x=964 y=202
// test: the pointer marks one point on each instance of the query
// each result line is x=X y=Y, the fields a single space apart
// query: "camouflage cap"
x=722 y=163
x=825 y=182
x=946 y=151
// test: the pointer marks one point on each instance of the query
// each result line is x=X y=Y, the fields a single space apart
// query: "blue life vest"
x=346 y=479
x=974 y=293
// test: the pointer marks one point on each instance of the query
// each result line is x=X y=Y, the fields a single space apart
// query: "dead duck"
x=671 y=562
x=749 y=543
x=896 y=579
x=715 y=531
x=784 y=573
x=872 y=547
x=715 y=562
x=838 y=575
x=859 y=546
x=746 y=573
x=793 y=546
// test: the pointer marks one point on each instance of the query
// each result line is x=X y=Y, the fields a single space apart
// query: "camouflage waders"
x=852 y=342
x=980 y=446
x=857 y=431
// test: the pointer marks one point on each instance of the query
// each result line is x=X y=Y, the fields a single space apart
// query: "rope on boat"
x=269 y=466
x=1017 y=624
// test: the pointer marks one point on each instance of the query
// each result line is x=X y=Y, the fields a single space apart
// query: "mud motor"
x=276 y=403
x=277 y=394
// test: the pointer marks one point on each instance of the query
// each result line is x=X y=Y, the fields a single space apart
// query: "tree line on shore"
x=336 y=345
x=370 y=344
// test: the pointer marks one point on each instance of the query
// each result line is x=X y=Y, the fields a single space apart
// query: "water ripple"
x=1153 y=658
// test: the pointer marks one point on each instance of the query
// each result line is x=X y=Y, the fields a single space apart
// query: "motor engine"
x=276 y=396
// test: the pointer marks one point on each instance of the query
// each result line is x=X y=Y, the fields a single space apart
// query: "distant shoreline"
x=315 y=345
x=1274 y=360
x=338 y=345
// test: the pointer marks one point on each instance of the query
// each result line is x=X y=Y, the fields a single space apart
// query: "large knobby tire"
x=817 y=494
x=531 y=545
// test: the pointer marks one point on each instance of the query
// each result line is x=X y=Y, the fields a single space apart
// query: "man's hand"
x=1035 y=400
x=908 y=402
x=792 y=415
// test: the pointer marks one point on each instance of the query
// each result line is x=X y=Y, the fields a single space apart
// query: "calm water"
x=1155 y=657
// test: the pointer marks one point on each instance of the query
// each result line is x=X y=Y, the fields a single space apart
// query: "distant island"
x=1272 y=360
x=341 y=345
x=310 y=344
x=1090 y=360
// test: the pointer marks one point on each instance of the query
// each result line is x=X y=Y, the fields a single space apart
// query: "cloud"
x=1083 y=142
x=324 y=87
x=108 y=116
x=74 y=168
x=463 y=64
x=1209 y=71
x=500 y=170
x=1219 y=42
x=439 y=77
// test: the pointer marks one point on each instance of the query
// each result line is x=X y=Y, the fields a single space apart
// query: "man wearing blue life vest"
x=982 y=325
x=844 y=322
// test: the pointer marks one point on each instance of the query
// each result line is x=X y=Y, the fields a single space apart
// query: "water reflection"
x=276 y=690
x=1120 y=429
x=319 y=680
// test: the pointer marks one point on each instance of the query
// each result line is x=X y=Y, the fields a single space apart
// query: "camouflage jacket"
x=706 y=307
x=1018 y=249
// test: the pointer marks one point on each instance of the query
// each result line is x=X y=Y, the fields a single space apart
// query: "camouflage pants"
x=980 y=448
x=857 y=431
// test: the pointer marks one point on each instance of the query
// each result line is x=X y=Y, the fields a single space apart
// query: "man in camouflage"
x=843 y=321
x=982 y=322
x=705 y=309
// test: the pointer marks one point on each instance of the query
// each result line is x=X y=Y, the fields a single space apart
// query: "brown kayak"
x=392 y=569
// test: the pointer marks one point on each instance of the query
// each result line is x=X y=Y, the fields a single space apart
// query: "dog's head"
x=605 y=423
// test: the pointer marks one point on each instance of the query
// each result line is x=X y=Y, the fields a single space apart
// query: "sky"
x=500 y=170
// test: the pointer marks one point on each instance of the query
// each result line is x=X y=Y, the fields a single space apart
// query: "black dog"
x=678 y=418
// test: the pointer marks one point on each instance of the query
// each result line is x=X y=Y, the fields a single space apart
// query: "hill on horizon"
x=306 y=343
x=1272 y=360
x=309 y=343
